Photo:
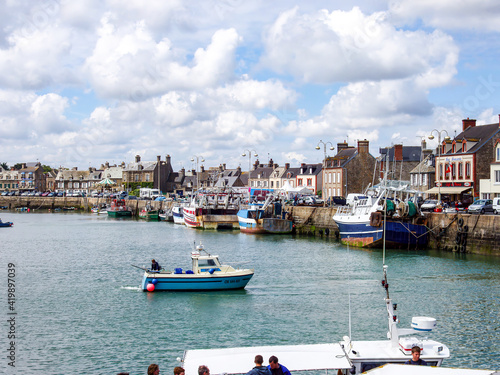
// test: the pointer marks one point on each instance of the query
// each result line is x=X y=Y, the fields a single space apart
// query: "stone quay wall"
x=477 y=234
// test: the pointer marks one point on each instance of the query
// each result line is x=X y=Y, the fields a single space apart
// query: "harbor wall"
x=477 y=234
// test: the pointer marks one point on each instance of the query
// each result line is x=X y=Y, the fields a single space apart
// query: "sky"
x=88 y=82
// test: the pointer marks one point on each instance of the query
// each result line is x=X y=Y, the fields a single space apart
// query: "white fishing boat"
x=206 y=274
x=345 y=356
x=177 y=213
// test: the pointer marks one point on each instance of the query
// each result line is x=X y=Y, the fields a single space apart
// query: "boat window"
x=206 y=262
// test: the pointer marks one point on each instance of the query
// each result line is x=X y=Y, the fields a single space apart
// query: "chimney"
x=74 y=168
x=423 y=145
x=468 y=123
x=398 y=152
x=107 y=164
x=202 y=169
x=193 y=172
x=287 y=165
x=342 y=146
x=167 y=159
x=183 y=172
x=238 y=170
x=363 y=146
x=158 y=158
x=224 y=166
x=137 y=158
x=270 y=164
x=302 y=168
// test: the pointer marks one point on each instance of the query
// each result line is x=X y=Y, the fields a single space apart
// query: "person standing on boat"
x=415 y=360
x=276 y=368
x=259 y=369
x=154 y=265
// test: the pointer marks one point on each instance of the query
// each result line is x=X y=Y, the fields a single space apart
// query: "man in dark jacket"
x=155 y=266
x=276 y=368
x=259 y=369
x=415 y=360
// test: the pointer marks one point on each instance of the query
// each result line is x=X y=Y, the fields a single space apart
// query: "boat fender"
x=154 y=281
x=375 y=219
x=460 y=222
x=150 y=287
x=211 y=271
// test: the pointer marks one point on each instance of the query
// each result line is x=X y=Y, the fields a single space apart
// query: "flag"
x=448 y=169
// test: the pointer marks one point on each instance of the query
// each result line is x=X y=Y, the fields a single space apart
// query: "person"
x=153 y=369
x=154 y=265
x=203 y=370
x=415 y=360
x=277 y=368
x=179 y=371
x=258 y=369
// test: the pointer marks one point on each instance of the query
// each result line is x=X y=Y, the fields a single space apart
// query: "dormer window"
x=464 y=145
x=454 y=148
x=498 y=153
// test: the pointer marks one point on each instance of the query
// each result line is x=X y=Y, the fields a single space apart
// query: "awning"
x=241 y=360
x=448 y=190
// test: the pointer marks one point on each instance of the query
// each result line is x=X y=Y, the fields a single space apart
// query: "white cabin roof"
x=241 y=360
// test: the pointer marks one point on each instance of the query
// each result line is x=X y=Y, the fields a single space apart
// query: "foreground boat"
x=148 y=213
x=345 y=357
x=363 y=224
x=5 y=224
x=118 y=208
x=207 y=274
x=267 y=218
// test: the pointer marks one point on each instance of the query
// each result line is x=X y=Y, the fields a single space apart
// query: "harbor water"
x=79 y=310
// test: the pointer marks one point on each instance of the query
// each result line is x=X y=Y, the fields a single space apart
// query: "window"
x=206 y=262
x=272 y=184
x=277 y=184
x=424 y=179
x=460 y=170
x=440 y=172
x=453 y=171
x=498 y=153
x=467 y=170
x=299 y=182
x=136 y=178
x=309 y=182
x=497 y=177
x=447 y=170
x=334 y=180
x=147 y=176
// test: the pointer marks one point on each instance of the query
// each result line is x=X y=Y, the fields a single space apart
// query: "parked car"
x=480 y=206
x=52 y=194
x=131 y=197
x=429 y=205
x=496 y=205
x=336 y=201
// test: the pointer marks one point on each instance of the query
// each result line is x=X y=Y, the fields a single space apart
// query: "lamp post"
x=249 y=166
x=197 y=175
x=324 y=166
x=438 y=174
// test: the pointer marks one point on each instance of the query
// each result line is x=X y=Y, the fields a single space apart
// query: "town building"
x=463 y=161
x=422 y=176
x=399 y=161
x=350 y=170
x=310 y=176
x=29 y=177
x=153 y=174
x=490 y=188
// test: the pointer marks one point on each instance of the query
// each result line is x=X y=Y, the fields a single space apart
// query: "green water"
x=80 y=311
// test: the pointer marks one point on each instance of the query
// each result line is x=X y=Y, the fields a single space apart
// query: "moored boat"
x=206 y=274
x=386 y=208
x=177 y=214
x=5 y=224
x=266 y=218
x=148 y=213
x=118 y=208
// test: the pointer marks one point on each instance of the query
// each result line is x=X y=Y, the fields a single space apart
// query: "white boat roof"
x=241 y=360
x=381 y=350
x=393 y=369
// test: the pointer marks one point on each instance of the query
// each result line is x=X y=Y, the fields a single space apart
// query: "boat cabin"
x=205 y=263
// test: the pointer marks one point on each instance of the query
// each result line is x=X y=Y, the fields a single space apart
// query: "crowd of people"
x=274 y=367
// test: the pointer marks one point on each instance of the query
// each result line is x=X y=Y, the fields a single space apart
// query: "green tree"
x=4 y=165
x=46 y=168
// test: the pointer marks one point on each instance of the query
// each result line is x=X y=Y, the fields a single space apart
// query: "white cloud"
x=481 y=15
x=339 y=46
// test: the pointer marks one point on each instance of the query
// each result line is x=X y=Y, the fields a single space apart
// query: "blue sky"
x=85 y=82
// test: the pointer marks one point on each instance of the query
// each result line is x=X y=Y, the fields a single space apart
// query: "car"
x=131 y=197
x=480 y=206
x=4 y=193
x=46 y=194
x=336 y=201
x=60 y=194
x=429 y=205
x=51 y=194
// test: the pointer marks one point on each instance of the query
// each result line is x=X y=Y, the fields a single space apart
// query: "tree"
x=4 y=166
x=46 y=168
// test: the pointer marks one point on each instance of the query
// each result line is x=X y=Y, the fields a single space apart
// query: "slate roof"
x=425 y=166
x=146 y=166
x=480 y=134
x=410 y=153
x=342 y=158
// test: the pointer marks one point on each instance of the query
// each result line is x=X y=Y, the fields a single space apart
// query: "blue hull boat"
x=207 y=274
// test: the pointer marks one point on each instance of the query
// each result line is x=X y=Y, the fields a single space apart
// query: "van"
x=496 y=205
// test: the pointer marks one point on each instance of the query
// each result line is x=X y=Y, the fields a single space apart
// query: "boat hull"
x=151 y=215
x=187 y=282
x=6 y=225
x=273 y=225
x=119 y=213
x=399 y=234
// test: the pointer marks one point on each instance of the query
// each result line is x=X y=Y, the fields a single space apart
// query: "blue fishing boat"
x=387 y=207
x=266 y=218
x=207 y=274
x=5 y=224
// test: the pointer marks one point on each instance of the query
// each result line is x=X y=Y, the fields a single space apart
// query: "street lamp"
x=438 y=174
x=324 y=166
x=249 y=166
x=197 y=175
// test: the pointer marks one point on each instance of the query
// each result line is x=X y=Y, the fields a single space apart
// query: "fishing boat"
x=5 y=224
x=266 y=218
x=387 y=208
x=178 y=215
x=345 y=356
x=99 y=209
x=148 y=213
x=165 y=215
x=213 y=210
x=118 y=208
x=206 y=274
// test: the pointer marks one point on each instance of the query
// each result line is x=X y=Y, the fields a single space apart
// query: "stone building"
x=155 y=174
x=399 y=161
x=350 y=170
x=490 y=188
x=30 y=177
